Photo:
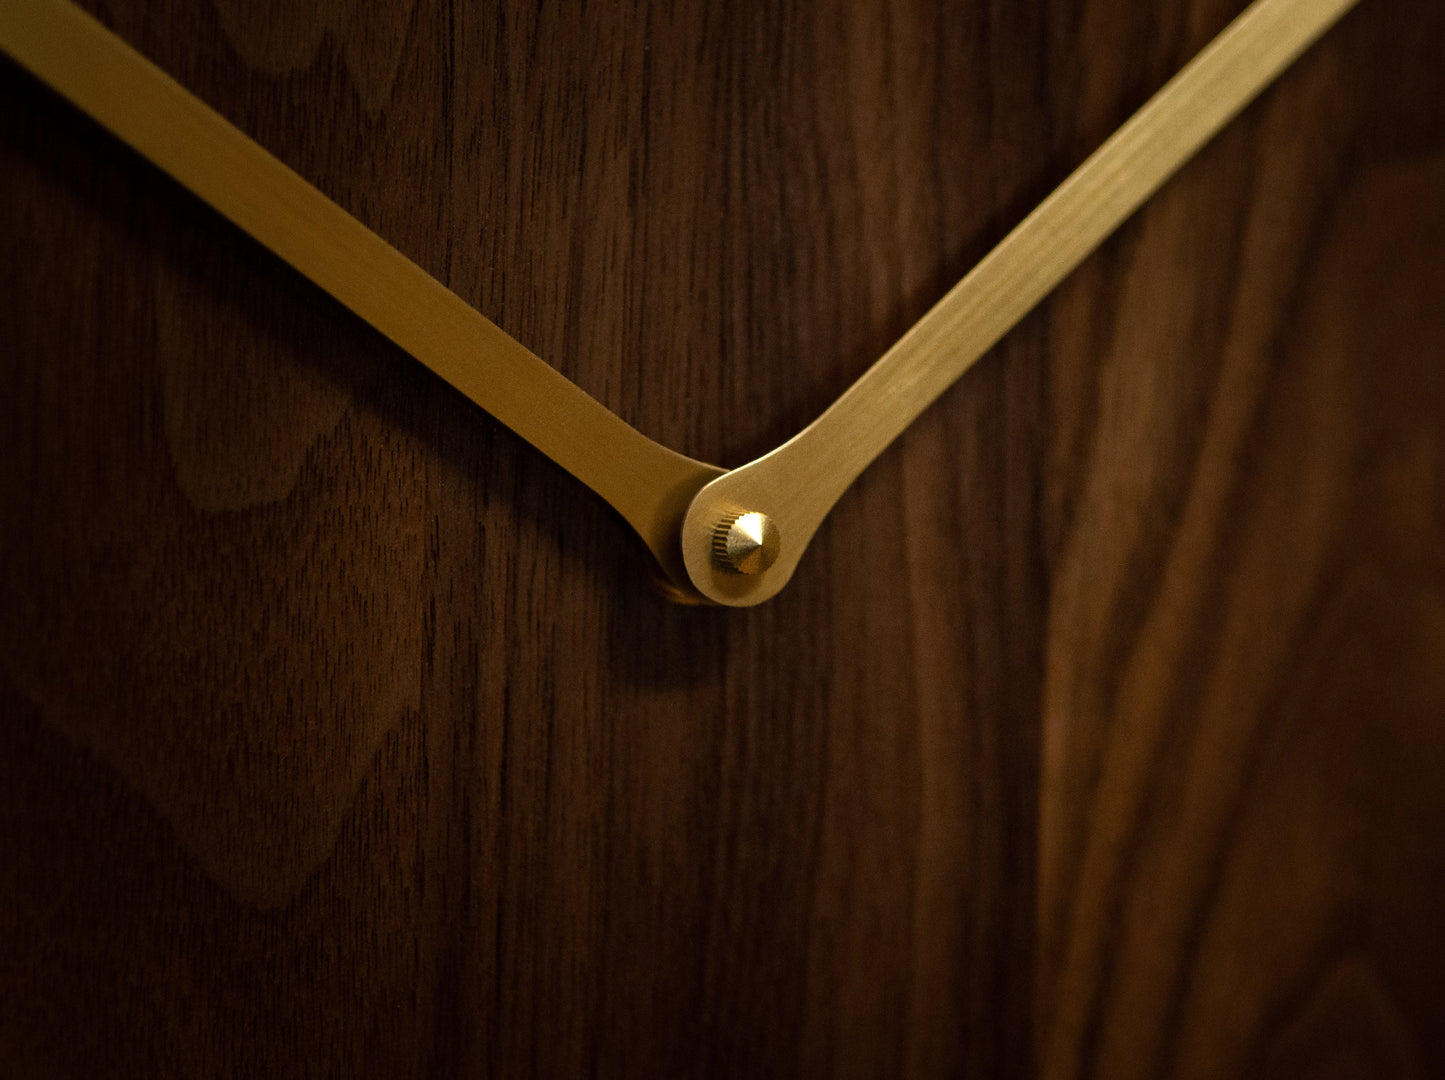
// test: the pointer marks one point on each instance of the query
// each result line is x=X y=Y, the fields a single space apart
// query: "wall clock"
x=1101 y=737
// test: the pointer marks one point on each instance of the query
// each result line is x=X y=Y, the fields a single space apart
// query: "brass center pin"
x=746 y=543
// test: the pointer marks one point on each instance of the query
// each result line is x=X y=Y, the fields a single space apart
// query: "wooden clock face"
x=1099 y=734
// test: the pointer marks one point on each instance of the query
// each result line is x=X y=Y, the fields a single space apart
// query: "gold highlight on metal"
x=746 y=543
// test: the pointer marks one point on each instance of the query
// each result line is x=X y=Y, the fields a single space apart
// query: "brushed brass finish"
x=144 y=107
x=662 y=494
x=798 y=483
x=746 y=543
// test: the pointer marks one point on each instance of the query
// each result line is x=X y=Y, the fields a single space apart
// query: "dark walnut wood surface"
x=1102 y=733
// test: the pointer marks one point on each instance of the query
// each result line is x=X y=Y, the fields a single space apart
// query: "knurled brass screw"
x=746 y=543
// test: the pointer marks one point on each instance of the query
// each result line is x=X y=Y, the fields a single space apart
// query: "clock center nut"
x=746 y=543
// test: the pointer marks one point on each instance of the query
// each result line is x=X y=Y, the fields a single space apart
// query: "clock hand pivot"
x=746 y=542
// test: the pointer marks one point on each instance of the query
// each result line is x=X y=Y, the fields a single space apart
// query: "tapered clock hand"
x=742 y=532
x=75 y=55
x=789 y=491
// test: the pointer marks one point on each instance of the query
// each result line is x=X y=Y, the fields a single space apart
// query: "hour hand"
x=787 y=493
x=139 y=103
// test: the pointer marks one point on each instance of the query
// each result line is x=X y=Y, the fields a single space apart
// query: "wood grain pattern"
x=341 y=735
x=1244 y=710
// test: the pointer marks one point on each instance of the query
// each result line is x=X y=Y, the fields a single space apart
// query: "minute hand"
x=797 y=484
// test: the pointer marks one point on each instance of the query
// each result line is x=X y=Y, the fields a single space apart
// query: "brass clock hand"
x=75 y=55
x=770 y=508
x=789 y=491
